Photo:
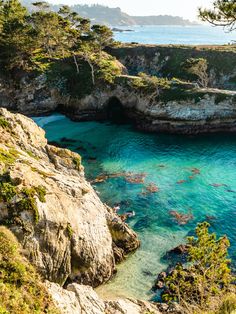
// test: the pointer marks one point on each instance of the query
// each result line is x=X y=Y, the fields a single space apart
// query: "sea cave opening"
x=115 y=110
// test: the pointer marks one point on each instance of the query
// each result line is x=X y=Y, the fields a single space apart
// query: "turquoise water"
x=189 y=35
x=207 y=164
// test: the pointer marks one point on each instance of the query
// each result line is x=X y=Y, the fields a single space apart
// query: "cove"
x=194 y=175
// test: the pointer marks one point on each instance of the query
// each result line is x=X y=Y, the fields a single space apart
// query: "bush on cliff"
x=149 y=85
x=21 y=289
x=208 y=274
x=197 y=67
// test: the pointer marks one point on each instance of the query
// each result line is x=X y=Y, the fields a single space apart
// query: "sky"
x=184 y=8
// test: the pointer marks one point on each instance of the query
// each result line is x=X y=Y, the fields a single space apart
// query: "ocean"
x=180 y=35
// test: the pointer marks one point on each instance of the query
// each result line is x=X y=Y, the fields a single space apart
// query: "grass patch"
x=8 y=157
x=26 y=198
x=77 y=162
x=31 y=154
x=4 y=123
x=21 y=289
x=69 y=230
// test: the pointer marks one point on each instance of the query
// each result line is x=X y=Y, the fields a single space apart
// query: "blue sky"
x=184 y=8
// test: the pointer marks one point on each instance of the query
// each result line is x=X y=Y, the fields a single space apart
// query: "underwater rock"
x=181 y=181
x=135 y=178
x=68 y=140
x=181 y=219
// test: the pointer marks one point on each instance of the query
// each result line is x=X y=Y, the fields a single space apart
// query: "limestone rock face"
x=31 y=97
x=78 y=299
x=71 y=234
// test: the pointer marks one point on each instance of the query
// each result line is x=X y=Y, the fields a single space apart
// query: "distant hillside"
x=100 y=14
x=161 y=20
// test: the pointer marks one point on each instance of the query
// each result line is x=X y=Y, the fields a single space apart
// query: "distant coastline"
x=100 y=14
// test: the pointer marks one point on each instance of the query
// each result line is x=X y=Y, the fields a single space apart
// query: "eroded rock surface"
x=71 y=233
x=78 y=299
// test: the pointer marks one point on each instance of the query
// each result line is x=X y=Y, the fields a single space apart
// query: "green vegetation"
x=62 y=44
x=198 y=68
x=148 y=85
x=207 y=274
x=31 y=154
x=18 y=199
x=77 y=162
x=7 y=191
x=70 y=231
x=221 y=60
x=21 y=289
x=41 y=193
x=4 y=123
x=222 y=14
x=8 y=157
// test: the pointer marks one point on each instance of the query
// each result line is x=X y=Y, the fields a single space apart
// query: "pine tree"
x=222 y=14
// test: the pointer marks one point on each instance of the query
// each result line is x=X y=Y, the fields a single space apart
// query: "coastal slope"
x=64 y=228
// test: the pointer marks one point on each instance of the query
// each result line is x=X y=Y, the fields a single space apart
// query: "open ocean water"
x=181 y=35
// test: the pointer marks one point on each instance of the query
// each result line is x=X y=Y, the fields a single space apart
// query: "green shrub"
x=207 y=275
x=26 y=200
x=106 y=67
x=149 y=84
x=7 y=191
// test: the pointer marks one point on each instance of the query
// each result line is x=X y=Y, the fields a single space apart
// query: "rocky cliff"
x=64 y=228
x=167 y=61
x=183 y=107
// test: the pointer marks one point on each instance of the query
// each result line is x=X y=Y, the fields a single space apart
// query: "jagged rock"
x=180 y=249
x=78 y=299
x=160 y=282
x=74 y=232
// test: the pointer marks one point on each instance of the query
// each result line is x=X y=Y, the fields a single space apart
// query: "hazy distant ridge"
x=100 y=14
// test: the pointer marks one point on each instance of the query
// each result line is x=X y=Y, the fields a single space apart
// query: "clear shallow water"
x=183 y=35
x=165 y=159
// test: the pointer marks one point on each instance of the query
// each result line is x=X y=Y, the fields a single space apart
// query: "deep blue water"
x=206 y=164
x=191 y=35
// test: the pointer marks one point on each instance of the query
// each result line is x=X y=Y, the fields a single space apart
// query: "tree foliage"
x=198 y=68
x=222 y=14
x=30 y=41
x=208 y=273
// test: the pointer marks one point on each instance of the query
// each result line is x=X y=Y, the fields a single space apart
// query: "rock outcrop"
x=184 y=108
x=78 y=299
x=168 y=60
x=64 y=228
